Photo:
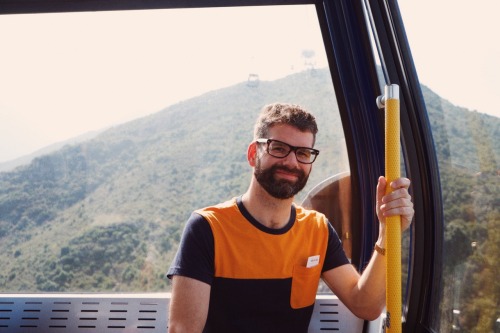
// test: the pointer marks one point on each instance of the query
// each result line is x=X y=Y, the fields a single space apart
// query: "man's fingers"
x=400 y=183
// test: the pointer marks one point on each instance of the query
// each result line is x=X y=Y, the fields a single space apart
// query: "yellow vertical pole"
x=393 y=223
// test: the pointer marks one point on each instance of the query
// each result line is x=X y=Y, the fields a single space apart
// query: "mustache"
x=294 y=171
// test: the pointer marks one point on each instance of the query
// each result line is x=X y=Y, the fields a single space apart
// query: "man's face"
x=277 y=187
x=284 y=177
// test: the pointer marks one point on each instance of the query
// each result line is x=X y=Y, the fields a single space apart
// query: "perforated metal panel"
x=132 y=313
x=331 y=315
x=83 y=313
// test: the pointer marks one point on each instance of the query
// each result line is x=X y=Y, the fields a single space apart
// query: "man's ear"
x=252 y=153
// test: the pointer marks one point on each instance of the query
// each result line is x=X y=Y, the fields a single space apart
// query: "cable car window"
x=116 y=125
x=458 y=64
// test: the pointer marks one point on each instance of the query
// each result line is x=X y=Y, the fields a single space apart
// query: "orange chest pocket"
x=305 y=282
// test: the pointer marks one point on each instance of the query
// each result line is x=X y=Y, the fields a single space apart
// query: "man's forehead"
x=291 y=135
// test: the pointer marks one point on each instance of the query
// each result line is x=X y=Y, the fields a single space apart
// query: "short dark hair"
x=287 y=114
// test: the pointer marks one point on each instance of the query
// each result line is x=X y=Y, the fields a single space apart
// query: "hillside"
x=108 y=213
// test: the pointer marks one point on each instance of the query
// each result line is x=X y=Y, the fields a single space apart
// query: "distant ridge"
x=26 y=159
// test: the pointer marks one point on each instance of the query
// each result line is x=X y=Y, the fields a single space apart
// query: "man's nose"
x=291 y=159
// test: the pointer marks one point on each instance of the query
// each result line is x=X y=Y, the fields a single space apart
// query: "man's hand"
x=398 y=202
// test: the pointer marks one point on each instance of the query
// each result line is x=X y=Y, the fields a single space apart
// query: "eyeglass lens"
x=280 y=149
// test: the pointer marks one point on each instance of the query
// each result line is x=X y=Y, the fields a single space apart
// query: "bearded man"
x=253 y=263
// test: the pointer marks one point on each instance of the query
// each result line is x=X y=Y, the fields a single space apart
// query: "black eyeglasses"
x=281 y=149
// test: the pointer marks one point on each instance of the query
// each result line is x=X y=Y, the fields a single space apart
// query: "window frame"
x=352 y=66
x=422 y=302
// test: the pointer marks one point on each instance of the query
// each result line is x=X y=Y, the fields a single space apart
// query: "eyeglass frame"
x=313 y=151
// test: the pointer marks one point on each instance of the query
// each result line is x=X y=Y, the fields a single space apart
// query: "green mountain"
x=107 y=214
x=468 y=149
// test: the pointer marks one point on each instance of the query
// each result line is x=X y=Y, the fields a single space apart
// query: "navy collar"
x=262 y=227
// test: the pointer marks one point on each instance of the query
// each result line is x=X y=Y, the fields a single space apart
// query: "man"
x=252 y=264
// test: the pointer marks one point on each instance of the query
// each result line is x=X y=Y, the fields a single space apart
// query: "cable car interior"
x=89 y=226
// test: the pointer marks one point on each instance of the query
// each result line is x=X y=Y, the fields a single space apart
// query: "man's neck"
x=269 y=211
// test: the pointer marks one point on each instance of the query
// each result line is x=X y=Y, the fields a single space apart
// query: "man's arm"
x=364 y=294
x=191 y=273
x=188 y=305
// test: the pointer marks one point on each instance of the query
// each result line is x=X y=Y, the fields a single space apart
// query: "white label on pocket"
x=312 y=261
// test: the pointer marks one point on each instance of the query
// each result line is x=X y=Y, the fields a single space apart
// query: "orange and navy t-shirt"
x=260 y=279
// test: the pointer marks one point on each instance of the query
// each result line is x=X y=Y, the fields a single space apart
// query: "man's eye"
x=278 y=149
x=304 y=153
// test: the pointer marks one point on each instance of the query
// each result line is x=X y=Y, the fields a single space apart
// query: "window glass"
x=115 y=126
x=457 y=56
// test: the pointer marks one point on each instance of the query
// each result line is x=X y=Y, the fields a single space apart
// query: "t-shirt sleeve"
x=335 y=255
x=195 y=256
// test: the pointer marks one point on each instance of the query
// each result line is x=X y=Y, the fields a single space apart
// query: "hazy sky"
x=80 y=72
x=456 y=51
x=84 y=71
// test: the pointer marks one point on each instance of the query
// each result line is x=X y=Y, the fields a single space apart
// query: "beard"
x=280 y=188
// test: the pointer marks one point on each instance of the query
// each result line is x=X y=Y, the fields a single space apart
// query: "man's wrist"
x=380 y=244
x=379 y=249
